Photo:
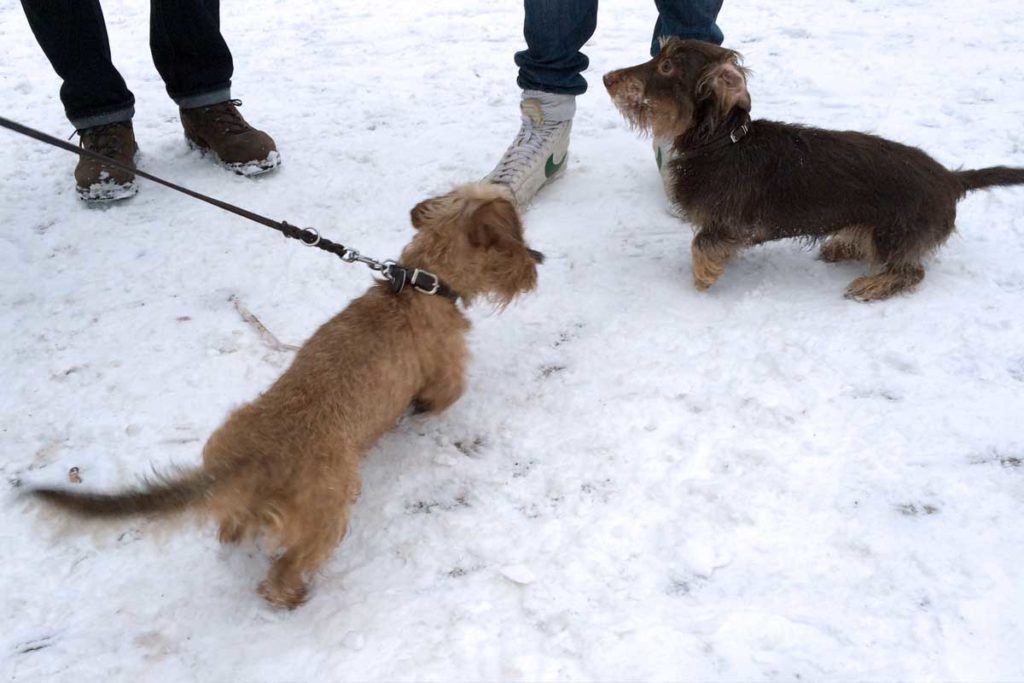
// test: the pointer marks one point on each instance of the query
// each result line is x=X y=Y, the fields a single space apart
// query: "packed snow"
x=765 y=481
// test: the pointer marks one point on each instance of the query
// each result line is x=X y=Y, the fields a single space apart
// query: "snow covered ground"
x=643 y=482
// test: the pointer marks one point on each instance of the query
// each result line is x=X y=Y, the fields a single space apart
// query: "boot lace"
x=103 y=140
x=226 y=114
x=524 y=150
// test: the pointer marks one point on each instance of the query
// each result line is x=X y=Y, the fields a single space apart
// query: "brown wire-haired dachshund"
x=743 y=183
x=286 y=466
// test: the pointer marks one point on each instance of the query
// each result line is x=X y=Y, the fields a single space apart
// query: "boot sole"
x=248 y=169
x=108 y=192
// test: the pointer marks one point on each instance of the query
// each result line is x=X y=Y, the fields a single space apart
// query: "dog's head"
x=472 y=238
x=690 y=83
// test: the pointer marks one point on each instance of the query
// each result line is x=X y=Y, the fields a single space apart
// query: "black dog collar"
x=423 y=281
x=737 y=133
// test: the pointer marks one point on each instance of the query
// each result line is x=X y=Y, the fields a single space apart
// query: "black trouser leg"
x=555 y=31
x=687 y=19
x=189 y=51
x=74 y=38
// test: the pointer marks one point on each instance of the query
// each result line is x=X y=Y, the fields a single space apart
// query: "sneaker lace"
x=524 y=149
x=227 y=115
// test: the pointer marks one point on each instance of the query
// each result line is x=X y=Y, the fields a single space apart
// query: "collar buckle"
x=739 y=133
x=432 y=286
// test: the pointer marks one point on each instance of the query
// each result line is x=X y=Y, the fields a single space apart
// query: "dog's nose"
x=611 y=78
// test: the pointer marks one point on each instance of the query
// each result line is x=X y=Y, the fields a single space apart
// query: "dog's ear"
x=431 y=208
x=496 y=225
x=728 y=81
x=418 y=214
x=509 y=267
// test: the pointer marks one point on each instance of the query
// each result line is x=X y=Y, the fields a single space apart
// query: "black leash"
x=398 y=275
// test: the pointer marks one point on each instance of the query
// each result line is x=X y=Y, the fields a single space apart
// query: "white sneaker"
x=541 y=148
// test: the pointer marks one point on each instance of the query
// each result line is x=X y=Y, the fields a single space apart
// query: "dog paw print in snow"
x=551 y=369
x=912 y=510
x=470 y=446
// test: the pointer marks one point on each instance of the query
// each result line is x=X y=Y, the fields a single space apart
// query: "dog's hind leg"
x=230 y=532
x=849 y=244
x=898 y=248
x=309 y=526
x=710 y=254
x=893 y=279
x=287 y=582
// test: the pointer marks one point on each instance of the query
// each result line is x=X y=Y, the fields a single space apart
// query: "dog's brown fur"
x=285 y=467
x=870 y=198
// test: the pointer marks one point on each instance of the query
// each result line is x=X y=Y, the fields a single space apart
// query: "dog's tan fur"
x=286 y=466
x=709 y=261
x=849 y=244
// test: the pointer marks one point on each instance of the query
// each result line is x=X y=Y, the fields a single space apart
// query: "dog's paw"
x=836 y=251
x=284 y=597
x=870 y=288
x=883 y=285
x=419 y=407
x=229 y=533
x=706 y=271
x=702 y=284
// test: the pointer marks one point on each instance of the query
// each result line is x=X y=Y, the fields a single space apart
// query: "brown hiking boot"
x=221 y=129
x=99 y=183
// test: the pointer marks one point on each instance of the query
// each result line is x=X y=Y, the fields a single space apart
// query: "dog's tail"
x=987 y=177
x=164 y=494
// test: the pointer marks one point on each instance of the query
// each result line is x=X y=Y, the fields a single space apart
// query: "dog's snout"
x=611 y=78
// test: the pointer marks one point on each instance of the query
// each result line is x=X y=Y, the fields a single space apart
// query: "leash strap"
x=399 y=276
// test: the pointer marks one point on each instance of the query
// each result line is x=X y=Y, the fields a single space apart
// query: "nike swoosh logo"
x=551 y=168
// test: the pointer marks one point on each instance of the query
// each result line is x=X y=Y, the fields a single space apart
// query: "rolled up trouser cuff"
x=116 y=116
x=204 y=99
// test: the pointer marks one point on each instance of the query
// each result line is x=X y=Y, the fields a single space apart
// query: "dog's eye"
x=665 y=67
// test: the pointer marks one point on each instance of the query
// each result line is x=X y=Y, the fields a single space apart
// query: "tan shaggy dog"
x=286 y=466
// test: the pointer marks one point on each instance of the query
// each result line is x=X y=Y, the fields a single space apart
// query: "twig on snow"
x=266 y=335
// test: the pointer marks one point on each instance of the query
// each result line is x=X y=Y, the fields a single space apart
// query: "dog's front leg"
x=710 y=254
x=442 y=390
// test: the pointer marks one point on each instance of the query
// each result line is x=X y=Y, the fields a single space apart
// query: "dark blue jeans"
x=184 y=36
x=556 y=30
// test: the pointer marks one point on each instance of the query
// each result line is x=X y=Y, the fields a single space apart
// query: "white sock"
x=556 y=107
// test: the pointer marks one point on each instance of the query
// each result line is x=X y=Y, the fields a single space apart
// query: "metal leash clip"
x=396 y=276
